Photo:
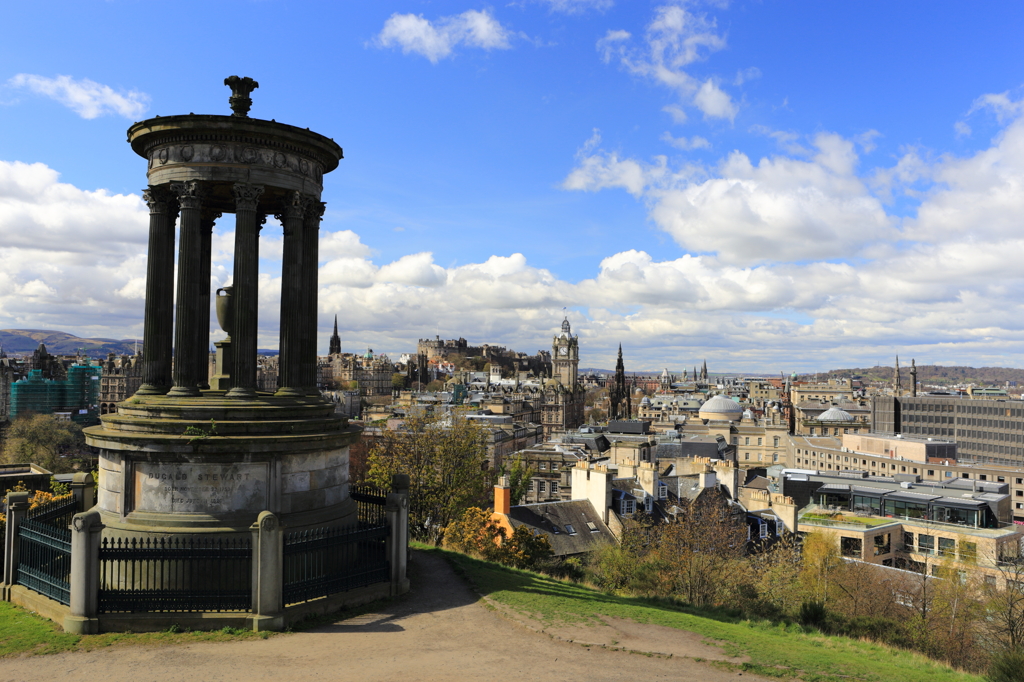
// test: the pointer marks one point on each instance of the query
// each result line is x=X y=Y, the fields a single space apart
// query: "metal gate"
x=44 y=550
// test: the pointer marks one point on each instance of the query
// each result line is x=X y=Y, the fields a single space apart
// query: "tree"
x=475 y=533
x=44 y=440
x=697 y=549
x=446 y=460
x=821 y=562
x=397 y=381
x=519 y=472
x=435 y=386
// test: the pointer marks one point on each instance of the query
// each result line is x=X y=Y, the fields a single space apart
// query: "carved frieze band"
x=238 y=154
x=190 y=193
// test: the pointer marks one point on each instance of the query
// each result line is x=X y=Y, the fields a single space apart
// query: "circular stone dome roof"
x=834 y=414
x=721 y=407
x=645 y=401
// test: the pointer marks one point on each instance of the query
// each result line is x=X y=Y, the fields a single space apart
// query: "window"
x=758 y=441
x=983 y=477
x=662 y=492
x=775 y=442
x=965 y=475
x=968 y=551
x=628 y=506
x=882 y=544
x=746 y=440
x=926 y=544
x=541 y=487
x=593 y=528
x=850 y=546
x=556 y=529
x=543 y=466
x=554 y=488
x=908 y=541
x=569 y=529
x=1000 y=479
x=947 y=547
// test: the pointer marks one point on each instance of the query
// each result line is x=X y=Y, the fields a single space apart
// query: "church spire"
x=335 y=348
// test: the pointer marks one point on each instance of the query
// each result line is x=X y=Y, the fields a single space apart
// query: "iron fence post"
x=83 y=487
x=268 y=573
x=85 y=573
x=397 y=512
x=17 y=507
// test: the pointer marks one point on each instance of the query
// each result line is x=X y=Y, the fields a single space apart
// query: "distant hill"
x=18 y=341
x=935 y=374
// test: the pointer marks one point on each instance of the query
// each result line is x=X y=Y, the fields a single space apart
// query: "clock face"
x=564 y=350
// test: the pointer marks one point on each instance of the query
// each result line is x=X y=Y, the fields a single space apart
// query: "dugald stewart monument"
x=216 y=504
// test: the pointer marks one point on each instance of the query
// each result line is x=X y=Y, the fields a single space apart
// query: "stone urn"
x=225 y=311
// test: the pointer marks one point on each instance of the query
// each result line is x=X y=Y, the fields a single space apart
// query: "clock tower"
x=565 y=356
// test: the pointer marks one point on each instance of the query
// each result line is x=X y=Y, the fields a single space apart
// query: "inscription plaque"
x=201 y=488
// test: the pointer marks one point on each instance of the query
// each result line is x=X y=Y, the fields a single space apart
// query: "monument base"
x=210 y=465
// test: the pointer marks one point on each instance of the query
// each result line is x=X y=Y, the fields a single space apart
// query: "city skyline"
x=770 y=188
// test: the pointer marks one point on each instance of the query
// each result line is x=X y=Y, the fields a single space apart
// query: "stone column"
x=267 y=573
x=209 y=217
x=245 y=293
x=158 y=325
x=85 y=574
x=189 y=297
x=17 y=507
x=290 y=378
x=310 y=283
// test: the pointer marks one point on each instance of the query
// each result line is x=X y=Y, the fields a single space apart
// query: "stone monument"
x=182 y=456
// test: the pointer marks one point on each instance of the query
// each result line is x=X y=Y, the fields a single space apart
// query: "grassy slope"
x=775 y=650
x=22 y=632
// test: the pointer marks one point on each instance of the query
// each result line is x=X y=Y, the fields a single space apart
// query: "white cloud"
x=962 y=129
x=85 y=97
x=686 y=144
x=675 y=39
x=770 y=283
x=578 y=6
x=437 y=40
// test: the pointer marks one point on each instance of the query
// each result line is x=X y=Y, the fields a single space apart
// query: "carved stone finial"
x=241 y=88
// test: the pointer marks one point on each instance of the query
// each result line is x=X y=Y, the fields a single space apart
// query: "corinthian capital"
x=247 y=196
x=190 y=193
x=314 y=211
x=157 y=198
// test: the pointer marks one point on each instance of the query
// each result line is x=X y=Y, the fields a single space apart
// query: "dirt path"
x=439 y=632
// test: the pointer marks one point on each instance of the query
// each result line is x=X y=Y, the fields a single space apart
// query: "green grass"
x=777 y=650
x=22 y=632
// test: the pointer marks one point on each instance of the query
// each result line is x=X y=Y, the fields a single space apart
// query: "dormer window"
x=569 y=529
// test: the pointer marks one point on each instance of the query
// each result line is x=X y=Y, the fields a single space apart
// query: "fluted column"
x=245 y=293
x=310 y=283
x=289 y=378
x=159 y=321
x=189 y=297
x=209 y=217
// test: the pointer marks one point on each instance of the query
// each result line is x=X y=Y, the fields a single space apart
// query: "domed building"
x=720 y=408
x=835 y=415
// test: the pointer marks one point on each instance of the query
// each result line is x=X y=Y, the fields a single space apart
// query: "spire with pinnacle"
x=335 y=348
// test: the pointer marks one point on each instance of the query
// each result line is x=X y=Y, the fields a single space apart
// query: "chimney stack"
x=502 y=497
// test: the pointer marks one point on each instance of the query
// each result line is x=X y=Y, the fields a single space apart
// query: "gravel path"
x=441 y=631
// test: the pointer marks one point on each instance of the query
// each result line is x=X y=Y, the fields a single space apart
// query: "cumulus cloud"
x=438 y=40
x=768 y=283
x=675 y=39
x=85 y=97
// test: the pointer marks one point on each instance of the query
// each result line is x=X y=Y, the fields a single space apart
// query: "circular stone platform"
x=210 y=464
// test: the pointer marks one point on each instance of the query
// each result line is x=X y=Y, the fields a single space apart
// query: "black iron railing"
x=369 y=504
x=56 y=512
x=325 y=561
x=175 y=574
x=44 y=559
x=44 y=549
x=3 y=539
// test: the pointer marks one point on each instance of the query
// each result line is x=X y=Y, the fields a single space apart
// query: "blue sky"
x=772 y=186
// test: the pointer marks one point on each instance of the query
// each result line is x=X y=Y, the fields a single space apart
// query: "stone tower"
x=565 y=357
x=619 y=393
